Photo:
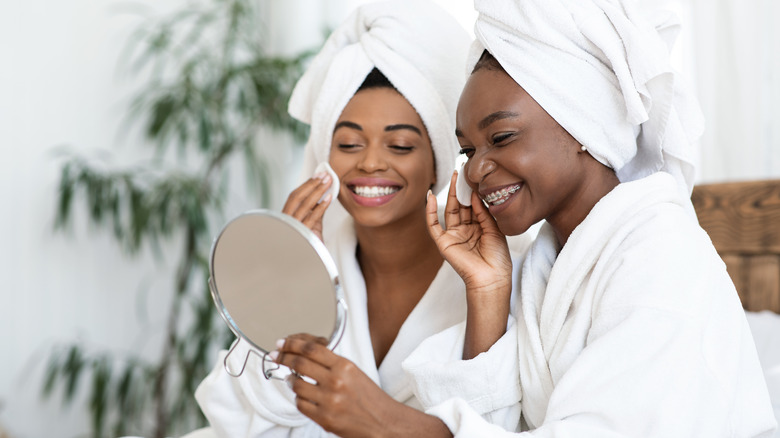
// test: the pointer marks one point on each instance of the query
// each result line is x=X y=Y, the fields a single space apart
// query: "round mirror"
x=272 y=277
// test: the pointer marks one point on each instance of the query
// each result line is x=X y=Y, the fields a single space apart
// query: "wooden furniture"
x=743 y=221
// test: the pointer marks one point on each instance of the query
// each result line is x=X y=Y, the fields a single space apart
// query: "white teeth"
x=374 y=191
x=500 y=196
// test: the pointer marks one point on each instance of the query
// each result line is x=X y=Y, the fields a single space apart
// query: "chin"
x=514 y=227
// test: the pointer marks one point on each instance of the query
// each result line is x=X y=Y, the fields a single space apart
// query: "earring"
x=584 y=149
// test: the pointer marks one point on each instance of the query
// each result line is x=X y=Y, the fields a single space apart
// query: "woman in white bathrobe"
x=380 y=98
x=624 y=322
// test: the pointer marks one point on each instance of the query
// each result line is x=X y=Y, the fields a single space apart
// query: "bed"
x=743 y=221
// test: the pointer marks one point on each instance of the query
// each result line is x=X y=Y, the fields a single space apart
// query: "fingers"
x=482 y=215
x=304 y=201
x=432 y=216
x=309 y=337
x=306 y=355
x=452 y=217
x=312 y=221
x=305 y=405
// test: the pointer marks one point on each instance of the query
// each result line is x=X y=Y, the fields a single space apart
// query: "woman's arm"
x=338 y=396
x=473 y=245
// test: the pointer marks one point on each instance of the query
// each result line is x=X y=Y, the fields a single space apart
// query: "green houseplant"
x=212 y=87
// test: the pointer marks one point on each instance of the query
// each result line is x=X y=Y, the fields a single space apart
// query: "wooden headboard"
x=743 y=221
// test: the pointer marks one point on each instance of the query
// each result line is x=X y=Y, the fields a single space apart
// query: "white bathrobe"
x=632 y=329
x=251 y=406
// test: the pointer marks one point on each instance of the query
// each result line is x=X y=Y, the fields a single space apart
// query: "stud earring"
x=584 y=149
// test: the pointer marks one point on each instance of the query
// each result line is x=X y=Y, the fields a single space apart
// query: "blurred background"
x=130 y=131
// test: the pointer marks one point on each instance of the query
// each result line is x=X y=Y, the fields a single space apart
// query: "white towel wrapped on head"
x=407 y=41
x=601 y=69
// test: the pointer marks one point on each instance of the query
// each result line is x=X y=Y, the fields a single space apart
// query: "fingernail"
x=319 y=175
x=280 y=343
x=326 y=178
x=327 y=198
x=273 y=355
x=429 y=193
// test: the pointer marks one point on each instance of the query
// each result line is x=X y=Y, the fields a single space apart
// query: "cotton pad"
x=334 y=186
x=462 y=189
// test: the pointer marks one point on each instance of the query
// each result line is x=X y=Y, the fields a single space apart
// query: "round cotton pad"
x=335 y=185
x=462 y=189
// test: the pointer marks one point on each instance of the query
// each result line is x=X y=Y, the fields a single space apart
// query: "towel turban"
x=421 y=50
x=601 y=69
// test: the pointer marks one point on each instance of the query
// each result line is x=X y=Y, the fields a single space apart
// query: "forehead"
x=380 y=106
x=488 y=91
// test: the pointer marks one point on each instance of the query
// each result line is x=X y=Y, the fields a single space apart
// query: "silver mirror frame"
x=327 y=260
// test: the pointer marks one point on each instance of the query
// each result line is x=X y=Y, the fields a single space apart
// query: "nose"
x=478 y=167
x=372 y=159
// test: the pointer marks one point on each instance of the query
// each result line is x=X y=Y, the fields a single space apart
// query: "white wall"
x=59 y=86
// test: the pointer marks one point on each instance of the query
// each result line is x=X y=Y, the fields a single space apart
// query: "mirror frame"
x=327 y=260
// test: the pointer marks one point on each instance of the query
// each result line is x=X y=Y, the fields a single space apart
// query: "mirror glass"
x=271 y=277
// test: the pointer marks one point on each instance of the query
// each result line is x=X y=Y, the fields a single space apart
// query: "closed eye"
x=468 y=151
x=348 y=146
x=403 y=149
x=502 y=137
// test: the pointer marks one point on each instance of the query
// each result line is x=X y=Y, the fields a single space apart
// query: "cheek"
x=339 y=163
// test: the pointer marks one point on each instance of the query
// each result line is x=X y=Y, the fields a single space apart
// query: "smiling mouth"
x=500 y=196
x=374 y=191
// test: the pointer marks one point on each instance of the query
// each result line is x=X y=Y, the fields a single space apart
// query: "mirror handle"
x=227 y=356
x=269 y=373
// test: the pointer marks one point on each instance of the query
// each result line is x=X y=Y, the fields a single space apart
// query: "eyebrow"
x=397 y=127
x=491 y=118
x=346 y=124
x=496 y=116
x=388 y=128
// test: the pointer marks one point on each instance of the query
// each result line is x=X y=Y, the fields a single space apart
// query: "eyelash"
x=396 y=148
x=497 y=139
x=500 y=138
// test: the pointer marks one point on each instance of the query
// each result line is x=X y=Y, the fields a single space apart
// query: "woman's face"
x=383 y=156
x=521 y=162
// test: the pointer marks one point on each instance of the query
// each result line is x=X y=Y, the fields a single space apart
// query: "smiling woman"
x=623 y=321
x=380 y=98
x=382 y=153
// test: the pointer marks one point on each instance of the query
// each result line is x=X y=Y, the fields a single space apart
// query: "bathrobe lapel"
x=556 y=280
x=442 y=306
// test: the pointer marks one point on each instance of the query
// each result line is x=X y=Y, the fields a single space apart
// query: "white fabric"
x=251 y=406
x=634 y=329
x=421 y=50
x=462 y=189
x=601 y=69
x=335 y=184
x=765 y=327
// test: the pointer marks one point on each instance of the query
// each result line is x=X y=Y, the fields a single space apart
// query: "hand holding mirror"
x=271 y=277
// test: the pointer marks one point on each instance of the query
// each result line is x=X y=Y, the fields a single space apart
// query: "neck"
x=397 y=248
x=582 y=200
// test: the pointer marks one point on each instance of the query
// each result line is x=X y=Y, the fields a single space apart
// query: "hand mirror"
x=272 y=277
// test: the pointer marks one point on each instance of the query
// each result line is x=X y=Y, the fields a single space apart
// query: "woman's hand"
x=343 y=399
x=473 y=245
x=303 y=203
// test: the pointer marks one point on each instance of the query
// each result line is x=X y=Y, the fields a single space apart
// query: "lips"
x=373 y=192
x=496 y=197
